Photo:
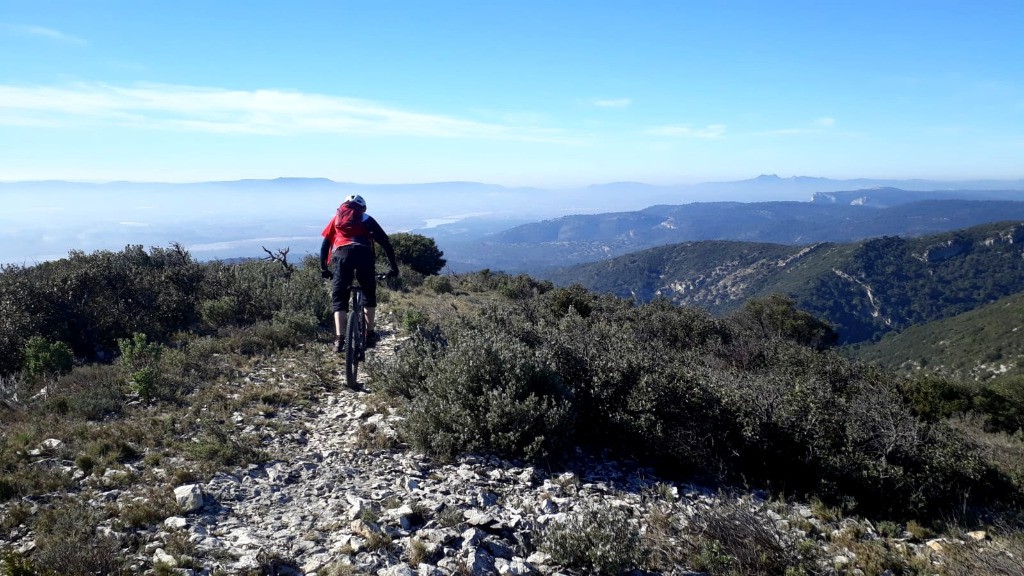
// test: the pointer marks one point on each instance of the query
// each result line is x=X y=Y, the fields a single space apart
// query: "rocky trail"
x=341 y=500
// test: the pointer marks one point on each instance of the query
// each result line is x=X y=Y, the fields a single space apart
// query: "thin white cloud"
x=613 y=103
x=218 y=110
x=817 y=126
x=43 y=32
x=787 y=132
x=711 y=131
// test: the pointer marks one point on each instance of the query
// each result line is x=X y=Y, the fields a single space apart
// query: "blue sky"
x=541 y=93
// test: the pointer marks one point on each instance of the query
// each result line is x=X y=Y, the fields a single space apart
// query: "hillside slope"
x=865 y=289
x=979 y=344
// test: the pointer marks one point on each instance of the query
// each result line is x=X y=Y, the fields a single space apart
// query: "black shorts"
x=353 y=261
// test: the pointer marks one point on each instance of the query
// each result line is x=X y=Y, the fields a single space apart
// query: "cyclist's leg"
x=370 y=312
x=367 y=280
x=339 y=295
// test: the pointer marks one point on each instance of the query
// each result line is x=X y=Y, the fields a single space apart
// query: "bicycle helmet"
x=357 y=199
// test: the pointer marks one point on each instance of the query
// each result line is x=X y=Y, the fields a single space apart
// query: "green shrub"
x=67 y=542
x=236 y=295
x=140 y=358
x=102 y=296
x=484 y=392
x=596 y=539
x=18 y=480
x=522 y=287
x=416 y=251
x=216 y=448
x=141 y=511
x=284 y=330
x=438 y=284
x=575 y=298
x=413 y=319
x=91 y=392
x=1002 y=402
x=14 y=564
x=776 y=316
x=219 y=312
x=686 y=393
x=43 y=357
x=934 y=398
x=401 y=376
x=105 y=451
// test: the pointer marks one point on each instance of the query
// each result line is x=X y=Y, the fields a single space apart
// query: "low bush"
x=934 y=398
x=438 y=284
x=485 y=393
x=413 y=319
x=776 y=316
x=214 y=448
x=67 y=542
x=1002 y=402
x=737 y=539
x=284 y=330
x=88 y=301
x=91 y=392
x=596 y=539
x=140 y=359
x=1004 y=556
x=154 y=507
x=521 y=287
x=43 y=357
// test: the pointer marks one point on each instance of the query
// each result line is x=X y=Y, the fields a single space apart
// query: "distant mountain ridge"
x=886 y=196
x=865 y=289
x=232 y=218
x=587 y=238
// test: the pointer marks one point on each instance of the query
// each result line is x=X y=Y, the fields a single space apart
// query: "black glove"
x=393 y=273
x=325 y=273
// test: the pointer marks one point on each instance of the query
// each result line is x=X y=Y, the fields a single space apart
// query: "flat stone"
x=51 y=444
x=175 y=523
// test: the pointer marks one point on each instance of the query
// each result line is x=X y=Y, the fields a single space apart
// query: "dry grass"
x=737 y=539
x=1004 y=451
x=1003 y=556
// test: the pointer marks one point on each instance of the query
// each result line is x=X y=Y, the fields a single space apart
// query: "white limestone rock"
x=190 y=497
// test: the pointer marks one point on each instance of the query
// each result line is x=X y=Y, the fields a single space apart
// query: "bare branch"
x=282 y=257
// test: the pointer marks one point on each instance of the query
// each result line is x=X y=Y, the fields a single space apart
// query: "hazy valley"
x=476 y=224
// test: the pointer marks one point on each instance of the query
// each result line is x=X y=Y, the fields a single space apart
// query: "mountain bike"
x=355 y=332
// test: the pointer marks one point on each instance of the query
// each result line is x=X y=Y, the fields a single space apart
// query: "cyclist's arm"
x=325 y=246
x=325 y=249
x=381 y=237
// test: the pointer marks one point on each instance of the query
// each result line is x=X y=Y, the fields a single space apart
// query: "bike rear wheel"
x=354 y=342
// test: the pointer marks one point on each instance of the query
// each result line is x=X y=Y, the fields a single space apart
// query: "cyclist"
x=348 y=249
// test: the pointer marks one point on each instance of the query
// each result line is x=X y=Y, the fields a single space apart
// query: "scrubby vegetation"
x=755 y=397
x=132 y=357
